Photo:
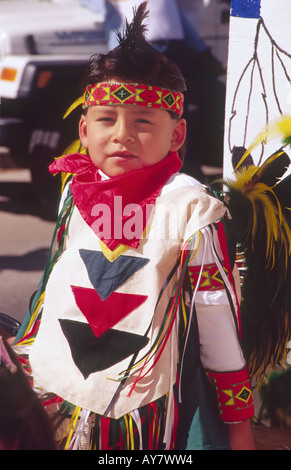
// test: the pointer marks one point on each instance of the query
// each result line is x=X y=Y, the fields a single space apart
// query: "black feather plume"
x=135 y=30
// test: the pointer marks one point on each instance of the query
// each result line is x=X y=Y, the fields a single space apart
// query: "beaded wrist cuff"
x=234 y=395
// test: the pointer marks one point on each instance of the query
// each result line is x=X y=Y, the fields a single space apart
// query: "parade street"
x=24 y=242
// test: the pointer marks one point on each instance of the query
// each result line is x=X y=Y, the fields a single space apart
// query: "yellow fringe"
x=71 y=426
x=31 y=322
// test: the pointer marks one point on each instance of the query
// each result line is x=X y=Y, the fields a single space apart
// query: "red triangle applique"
x=104 y=314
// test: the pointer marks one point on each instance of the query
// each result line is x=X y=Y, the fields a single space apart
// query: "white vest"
x=53 y=367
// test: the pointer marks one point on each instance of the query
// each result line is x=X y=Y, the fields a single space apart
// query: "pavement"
x=267 y=438
x=24 y=239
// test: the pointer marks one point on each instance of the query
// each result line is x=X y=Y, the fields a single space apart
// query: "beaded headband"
x=104 y=94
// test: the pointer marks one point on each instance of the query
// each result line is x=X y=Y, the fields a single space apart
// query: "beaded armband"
x=234 y=395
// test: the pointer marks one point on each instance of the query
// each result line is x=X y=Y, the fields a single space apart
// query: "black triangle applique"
x=91 y=354
x=107 y=276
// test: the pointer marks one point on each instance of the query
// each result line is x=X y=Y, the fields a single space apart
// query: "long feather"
x=73 y=106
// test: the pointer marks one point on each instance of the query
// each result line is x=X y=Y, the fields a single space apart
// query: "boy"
x=140 y=250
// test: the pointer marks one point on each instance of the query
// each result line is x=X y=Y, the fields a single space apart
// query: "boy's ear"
x=178 y=136
x=83 y=131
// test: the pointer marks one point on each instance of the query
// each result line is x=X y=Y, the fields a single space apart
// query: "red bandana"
x=116 y=209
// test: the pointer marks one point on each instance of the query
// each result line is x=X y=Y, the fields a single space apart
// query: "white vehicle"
x=44 y=46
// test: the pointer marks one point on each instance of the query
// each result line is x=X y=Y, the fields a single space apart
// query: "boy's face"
x=121 y=139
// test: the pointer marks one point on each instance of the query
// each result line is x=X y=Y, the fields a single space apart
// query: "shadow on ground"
x=33 y=261
x=20 y=198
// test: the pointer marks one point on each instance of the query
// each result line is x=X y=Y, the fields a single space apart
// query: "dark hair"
x=134 y=60
x=24 y=424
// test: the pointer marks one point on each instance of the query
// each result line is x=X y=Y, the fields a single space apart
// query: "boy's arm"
x=240 y=436
x=220 y=349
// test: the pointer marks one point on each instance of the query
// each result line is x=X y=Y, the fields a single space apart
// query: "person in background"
x=24 y=424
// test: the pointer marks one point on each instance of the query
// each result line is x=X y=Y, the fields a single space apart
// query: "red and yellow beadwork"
x=104 y=94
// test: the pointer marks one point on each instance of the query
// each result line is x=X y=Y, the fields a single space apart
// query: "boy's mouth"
x=123 y=155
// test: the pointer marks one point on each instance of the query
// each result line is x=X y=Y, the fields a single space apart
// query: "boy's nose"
x=122 y=131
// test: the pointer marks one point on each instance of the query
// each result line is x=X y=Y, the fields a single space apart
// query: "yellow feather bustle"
x=279 y=128
x=256 y=192
x=248 y=183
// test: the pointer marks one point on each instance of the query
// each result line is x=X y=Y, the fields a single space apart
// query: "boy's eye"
x=143 y=121
x=105 y=119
